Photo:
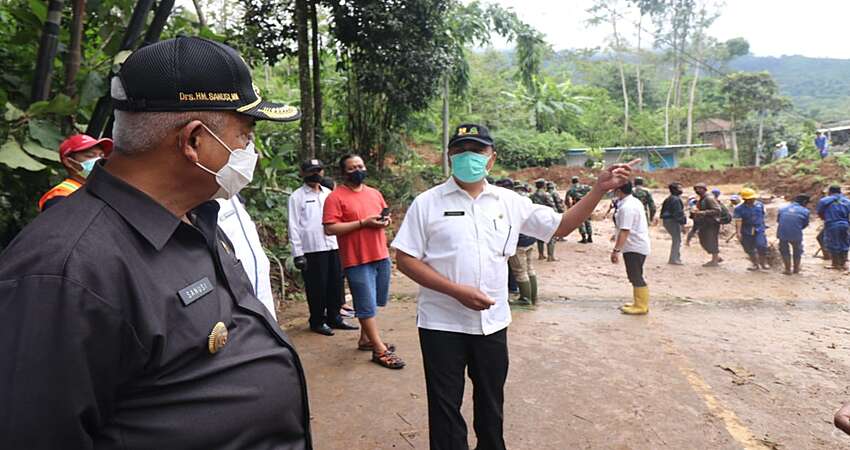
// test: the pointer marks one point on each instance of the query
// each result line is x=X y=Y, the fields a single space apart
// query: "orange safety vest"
x=62 y=189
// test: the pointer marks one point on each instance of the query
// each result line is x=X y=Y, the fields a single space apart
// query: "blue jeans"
x=370 y=287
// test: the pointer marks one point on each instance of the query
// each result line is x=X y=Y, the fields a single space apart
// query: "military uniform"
x=556 y=197
x=577 y=192
x=645 y=197
x=542 y=197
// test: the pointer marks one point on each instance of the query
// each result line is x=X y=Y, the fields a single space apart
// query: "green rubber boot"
x=524 y=293
x=533 y=281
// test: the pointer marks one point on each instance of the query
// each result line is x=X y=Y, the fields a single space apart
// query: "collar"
x=310 y=190
x=143 y=213
x=451 y=186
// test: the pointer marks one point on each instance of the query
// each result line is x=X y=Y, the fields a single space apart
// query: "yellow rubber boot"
x=641 y=305
x=634 y=300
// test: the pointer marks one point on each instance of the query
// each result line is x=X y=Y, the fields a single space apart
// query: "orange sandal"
x=388 y=359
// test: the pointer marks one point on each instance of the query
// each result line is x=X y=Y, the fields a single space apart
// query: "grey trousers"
x=674 y=227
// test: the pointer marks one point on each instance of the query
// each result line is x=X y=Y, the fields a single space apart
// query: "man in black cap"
x=316 y=254
x=162 y=343
x=454 y=242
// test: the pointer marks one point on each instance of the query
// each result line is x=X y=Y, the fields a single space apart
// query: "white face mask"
x=237 y=173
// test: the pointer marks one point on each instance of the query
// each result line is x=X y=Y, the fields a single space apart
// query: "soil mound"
x=787 y=179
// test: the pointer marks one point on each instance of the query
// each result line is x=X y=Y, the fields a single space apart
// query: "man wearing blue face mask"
x=78 y=154
x=454 y=242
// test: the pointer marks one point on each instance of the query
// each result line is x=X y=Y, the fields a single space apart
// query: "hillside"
x=819 y=87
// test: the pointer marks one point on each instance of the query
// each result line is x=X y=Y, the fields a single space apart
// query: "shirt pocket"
x=500 y=235
x=311 y=212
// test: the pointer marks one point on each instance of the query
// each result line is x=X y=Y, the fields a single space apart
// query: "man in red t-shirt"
x=356 y=214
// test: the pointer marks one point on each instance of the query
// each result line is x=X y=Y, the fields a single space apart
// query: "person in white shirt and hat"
x=315 y=253
x=454 y=242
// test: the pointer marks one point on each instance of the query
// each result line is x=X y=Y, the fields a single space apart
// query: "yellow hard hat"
x=748 y=194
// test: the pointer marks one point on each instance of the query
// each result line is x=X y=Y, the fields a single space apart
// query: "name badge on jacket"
x=196 y=290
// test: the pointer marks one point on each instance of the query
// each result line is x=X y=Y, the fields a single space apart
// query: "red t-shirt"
x=366 y=244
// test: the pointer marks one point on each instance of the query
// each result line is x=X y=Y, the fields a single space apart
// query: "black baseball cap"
x=192 y=74
x=311 y=165
x=471 y=132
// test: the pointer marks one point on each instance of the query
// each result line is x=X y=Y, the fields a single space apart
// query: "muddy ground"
x=727 y=359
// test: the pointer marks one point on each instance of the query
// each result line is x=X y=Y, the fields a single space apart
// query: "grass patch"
x=707 y=159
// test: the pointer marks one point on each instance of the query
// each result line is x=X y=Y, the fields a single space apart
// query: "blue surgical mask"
x=86 y=166
x=470 y=167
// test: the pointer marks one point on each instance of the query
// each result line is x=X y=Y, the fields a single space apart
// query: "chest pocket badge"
x=218 y=338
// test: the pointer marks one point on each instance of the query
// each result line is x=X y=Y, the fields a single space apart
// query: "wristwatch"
x=616 y=250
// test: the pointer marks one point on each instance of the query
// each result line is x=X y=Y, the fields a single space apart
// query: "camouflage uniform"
x=559 y=202
x=541 y=197
x=577 y=192
x=645 y=197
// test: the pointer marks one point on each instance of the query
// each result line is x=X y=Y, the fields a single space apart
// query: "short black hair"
x=802 y=199
x=638 y=181
x=540 y=184
x=675 y=186
x=835 y=189
x=345 y=158
x=626 y=188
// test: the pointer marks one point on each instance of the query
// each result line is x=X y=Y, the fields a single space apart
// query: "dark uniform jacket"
x=108 y=301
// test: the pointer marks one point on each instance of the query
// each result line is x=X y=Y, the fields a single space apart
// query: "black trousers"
x=446 y=356
x=323 y=283
x=634 y=268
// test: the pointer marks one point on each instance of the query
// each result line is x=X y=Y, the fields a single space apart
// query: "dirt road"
x=727 y=359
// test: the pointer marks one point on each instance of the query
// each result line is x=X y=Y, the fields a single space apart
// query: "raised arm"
x=610 y=178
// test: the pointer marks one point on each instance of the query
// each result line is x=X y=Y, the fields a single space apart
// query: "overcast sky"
x=816 y=28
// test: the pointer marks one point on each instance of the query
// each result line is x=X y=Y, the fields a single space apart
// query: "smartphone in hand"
x=385 y=213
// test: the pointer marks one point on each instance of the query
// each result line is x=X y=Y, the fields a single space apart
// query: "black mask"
x=313 y=178
x=356 y=178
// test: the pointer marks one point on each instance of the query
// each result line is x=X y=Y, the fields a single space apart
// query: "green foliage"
x=518 y=148
x=818 y=86
x=707 y=159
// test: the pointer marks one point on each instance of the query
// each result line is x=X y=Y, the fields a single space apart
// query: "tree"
x=317 y=75
x=746 y=92
x=704 y=20
x=305 y=84
x=394 y=54
x=470 y=24
x=607 y=10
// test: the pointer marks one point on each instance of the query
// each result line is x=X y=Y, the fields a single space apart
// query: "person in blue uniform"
x=749 y=222
x=792 y=219
x=834 y=209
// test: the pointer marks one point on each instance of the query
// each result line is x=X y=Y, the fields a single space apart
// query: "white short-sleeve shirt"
x=235 y=222
x=469 y=241
x=631 y=216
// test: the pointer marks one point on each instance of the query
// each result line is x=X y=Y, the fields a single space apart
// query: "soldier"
x=576 y=192
x=541 y=197
x=641 y=193
x=553 y=191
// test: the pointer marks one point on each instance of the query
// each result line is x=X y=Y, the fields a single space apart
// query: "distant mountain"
x=819 y=87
